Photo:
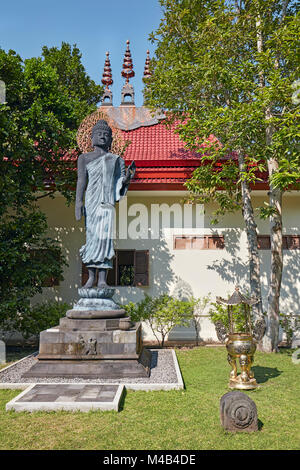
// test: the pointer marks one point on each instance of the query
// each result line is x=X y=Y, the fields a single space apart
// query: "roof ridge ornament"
x=147 y=72
x=107 y=80
x=127 y=73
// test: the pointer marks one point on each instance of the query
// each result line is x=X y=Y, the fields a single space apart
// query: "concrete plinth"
x=135 y=367
x=99 y=348
x=61 y=343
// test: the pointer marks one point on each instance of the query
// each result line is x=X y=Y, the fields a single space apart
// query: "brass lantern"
x=240 y=345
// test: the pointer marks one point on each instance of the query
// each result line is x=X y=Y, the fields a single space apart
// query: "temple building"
x=163 y=244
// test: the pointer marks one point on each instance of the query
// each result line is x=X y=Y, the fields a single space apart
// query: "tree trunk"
x=271 y=338
x=251 y=230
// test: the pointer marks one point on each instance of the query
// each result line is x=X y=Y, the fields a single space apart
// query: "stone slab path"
x=69 y=397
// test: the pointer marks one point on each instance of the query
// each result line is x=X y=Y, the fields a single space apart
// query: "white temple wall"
x=198 y=272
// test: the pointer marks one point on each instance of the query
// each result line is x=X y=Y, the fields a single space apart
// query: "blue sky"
x=95 y=26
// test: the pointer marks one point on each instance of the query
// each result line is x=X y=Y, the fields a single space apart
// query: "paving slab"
x=69 y=397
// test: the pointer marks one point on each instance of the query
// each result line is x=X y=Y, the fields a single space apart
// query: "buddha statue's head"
x=102 y=135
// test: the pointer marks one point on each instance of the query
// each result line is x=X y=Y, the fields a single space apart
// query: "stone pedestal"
x=2 y=352
x=93 y=343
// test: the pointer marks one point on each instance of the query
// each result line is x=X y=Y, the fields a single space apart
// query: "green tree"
x=199 y=305
x=28 y=259
x=227 y=69
x=72 y=75
x=38 y=124
x=162 y=314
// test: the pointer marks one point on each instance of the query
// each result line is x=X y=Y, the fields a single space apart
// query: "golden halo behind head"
x=84 y=133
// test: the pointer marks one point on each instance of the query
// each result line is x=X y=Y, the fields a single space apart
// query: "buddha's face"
x=101 y=138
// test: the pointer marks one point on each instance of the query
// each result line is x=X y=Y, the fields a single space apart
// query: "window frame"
x=116 y=270
x=287 y=242
x=207 y=238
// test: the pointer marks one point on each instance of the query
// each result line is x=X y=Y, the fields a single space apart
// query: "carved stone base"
x=90 y=348
x=61 y=343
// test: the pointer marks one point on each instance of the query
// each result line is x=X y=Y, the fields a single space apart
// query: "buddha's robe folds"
x=105 y=187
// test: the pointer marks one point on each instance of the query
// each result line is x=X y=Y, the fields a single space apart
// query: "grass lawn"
x=178 y=420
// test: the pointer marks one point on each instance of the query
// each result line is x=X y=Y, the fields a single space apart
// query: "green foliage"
x=24 y=269
x=45 y=103
x=198 y=306
x=227 y=72
x=132 y=311
x=211 y=73
x=162 y=314
x=289 y=325
x=266 y=211
x=72 y=75
x=126 y=273
x=41 y=316
x=219 y=312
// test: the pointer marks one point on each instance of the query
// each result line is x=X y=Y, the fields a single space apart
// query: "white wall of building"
x=198 y=272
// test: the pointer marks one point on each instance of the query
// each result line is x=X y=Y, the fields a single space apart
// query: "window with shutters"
x=199 y=242
x=130 y=268
x=289 y=242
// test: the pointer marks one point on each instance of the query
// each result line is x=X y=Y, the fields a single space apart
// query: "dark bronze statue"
x=104 y=181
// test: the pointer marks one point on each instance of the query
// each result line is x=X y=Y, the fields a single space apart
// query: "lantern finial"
x=147 y=72
x=127 y=71
x=107 y=80
x=127 y=95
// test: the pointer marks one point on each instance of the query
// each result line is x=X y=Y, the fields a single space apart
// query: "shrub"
x=162 y=314
x=40 y=317
x=290 y=325
x=199 y=306
x=219 y=313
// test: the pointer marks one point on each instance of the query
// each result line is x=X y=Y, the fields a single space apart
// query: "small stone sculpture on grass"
x=238 y=412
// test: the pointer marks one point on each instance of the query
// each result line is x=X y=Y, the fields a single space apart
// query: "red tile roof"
x=157 y=142
x=161 y=158
x=162 y=161
x=159 y=154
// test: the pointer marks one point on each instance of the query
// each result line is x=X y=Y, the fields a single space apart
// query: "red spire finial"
x=107 y=76
x=107 y=80
x=147 y=72
x=127 y=71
